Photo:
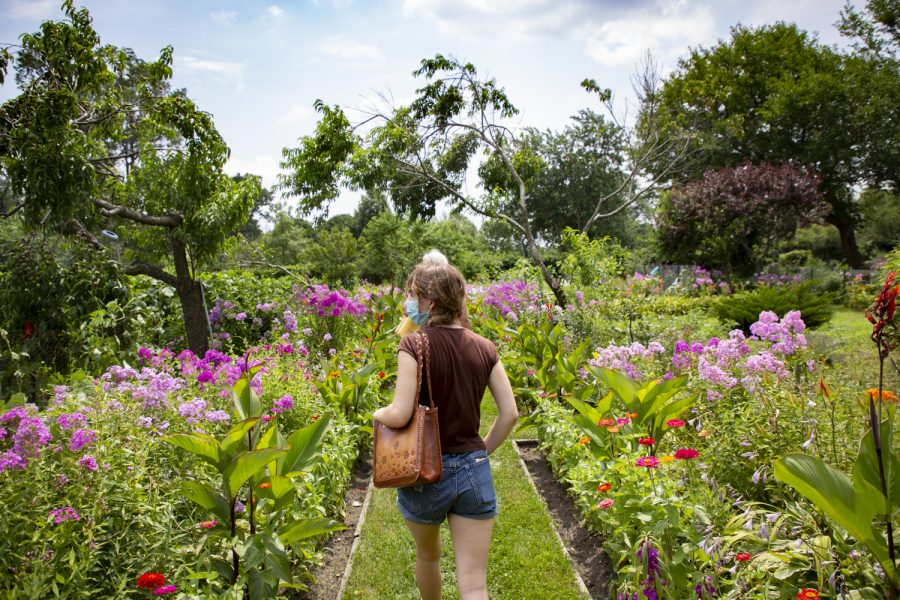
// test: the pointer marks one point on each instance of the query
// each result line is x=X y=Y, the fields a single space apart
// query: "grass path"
x=525 y=562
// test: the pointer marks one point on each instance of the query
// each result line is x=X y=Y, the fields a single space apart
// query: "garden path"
x=526 y=559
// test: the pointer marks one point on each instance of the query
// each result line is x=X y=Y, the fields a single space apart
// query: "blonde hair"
x=445 y=286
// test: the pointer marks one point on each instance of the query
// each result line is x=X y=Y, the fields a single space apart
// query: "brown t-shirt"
x=461 y=364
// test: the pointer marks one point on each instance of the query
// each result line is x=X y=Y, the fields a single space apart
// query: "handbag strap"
x=428 y=368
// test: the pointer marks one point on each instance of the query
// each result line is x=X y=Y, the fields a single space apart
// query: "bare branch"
x=12 y=211
x=151 y=271
x=172 y=220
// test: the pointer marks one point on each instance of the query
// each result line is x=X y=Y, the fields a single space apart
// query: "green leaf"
x=246 y=465
x=832 y=491
x=659 y=392
x=245 y=400
x=304 y=446
x=866 y=468
x=235 y=437
x=306 y=528
x=204 y=446
x=208 y=499
x=621 y=385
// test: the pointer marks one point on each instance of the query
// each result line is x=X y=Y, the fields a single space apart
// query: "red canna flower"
x=886 y=333
x=265 y=485
x=742 y=557
x=151 y=581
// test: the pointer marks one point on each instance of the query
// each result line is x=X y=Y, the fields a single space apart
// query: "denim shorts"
x=466 y=489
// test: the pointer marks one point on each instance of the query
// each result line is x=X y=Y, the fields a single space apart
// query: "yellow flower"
x=613 y=429
x=666 y=459
x=334 y=374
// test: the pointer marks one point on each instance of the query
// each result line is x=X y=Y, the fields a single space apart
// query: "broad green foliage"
x=269 y=464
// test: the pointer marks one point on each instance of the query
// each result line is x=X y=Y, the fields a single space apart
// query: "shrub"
x=744 y=308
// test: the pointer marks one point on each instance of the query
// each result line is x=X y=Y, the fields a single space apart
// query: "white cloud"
x=33 y=9
x=511 y=18
x=296 y=114
x=224 y=16
x=666 y=34
x=275 y=11
x=342 y=48
x=264 y=165
x=218 y=71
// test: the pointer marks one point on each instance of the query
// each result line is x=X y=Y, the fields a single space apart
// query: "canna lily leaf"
x=246 y=465
x=304 y=446
x=204 y=446
x=306 y=528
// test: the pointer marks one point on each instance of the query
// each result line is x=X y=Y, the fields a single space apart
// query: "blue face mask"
x=412 y=311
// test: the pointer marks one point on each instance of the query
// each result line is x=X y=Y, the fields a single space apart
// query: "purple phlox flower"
x=192 y=410
x=283 y=404
x=59 y=394
x=88 y=462
x=80 y=438
x=240 y=316
x=145 y=354
x=217 y=416
x=10 y=461
x=66 y=513
x=67 y=421
x=30 y=437
x=285 y=348
x=327 y=337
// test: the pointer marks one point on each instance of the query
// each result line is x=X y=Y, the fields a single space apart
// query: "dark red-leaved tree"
x=733 y=218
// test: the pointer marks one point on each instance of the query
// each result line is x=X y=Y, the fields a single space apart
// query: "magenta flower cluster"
x=509 y=297
x=30 y=437
x=324 y=302
x=66 y=513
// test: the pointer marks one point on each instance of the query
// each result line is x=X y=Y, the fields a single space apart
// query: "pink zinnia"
x=623 y=420
x=686 y=453
x=207 y=524
x=605 y=503
x=675 y=423
x=165 y=590
x=651 y=462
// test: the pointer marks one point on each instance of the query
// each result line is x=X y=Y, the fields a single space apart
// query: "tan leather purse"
x=411 y=455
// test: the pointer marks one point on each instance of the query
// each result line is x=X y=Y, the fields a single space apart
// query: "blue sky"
x=259 y=66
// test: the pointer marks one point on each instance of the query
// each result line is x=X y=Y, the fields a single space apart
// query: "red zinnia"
x=807 y=594
x=381 y=374
x=604 y=487
x=742 y=557
x=605 y=422
x=675 y=423
x=151 y=581
x=646 y=441
x=686 y=453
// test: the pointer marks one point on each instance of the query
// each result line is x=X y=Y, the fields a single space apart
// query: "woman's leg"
x=428 y=559
x=471 y=542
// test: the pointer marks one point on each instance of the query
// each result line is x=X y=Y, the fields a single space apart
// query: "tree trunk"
x=851 y=252
x=196 y=325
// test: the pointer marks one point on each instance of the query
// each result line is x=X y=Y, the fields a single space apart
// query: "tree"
x=734 y=217
x=285 y=243
x=876 y=28
x=571 y=168
x=420 y=154
x=96 y=139
x=264 y=207
x=775 y=95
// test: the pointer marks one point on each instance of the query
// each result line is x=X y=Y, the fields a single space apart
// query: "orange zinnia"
x=613 y=429
x=265 y=485
x=604 y=487
x=584 y=440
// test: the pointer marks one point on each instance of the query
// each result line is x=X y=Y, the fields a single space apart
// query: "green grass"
x=525 y=561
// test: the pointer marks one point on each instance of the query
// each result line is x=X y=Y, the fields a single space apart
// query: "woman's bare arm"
x=507 y=412
x=398 y=412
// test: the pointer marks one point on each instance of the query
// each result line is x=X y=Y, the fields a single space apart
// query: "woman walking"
x=463 y=365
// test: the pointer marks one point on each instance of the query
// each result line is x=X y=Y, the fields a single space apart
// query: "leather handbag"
x=411 y=455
